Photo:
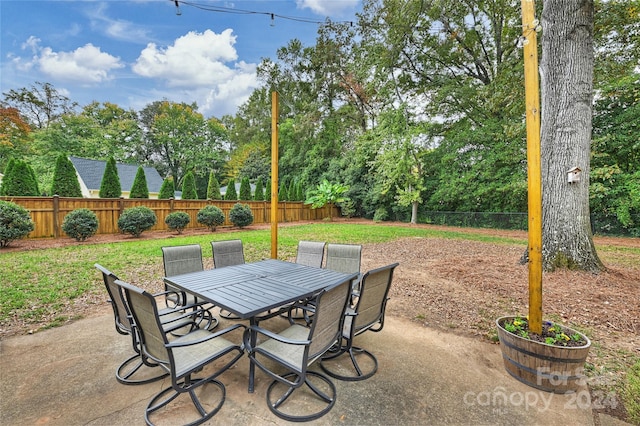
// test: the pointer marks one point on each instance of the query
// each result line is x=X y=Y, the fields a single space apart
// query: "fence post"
x=171 y=204
x=56 y=211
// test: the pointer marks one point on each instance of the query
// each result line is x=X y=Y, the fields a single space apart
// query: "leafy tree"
x=231 y=193
x=189 y=187
x=245 y=189
x=65 y=180
x=15 y=222
x=327 y=193
x=41 y=104
x=168 y=189
x=139 y=188
x=20 y=181
x=179 y=140
x=14 y=135
x=259 y=192
x=213 y=188
x=567 y=90
x=110 y=185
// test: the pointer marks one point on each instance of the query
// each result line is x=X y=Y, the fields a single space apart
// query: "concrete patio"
x=65 y=376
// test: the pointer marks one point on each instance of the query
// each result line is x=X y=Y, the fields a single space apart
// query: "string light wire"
x=236 y=11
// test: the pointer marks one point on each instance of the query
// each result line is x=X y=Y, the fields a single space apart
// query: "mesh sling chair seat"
x=131 y=371
x=367 y=314
x=310 y=253
x=182 y=357
x=227 y=253
x=345 y=258
x=295 y=349
x=179 y=260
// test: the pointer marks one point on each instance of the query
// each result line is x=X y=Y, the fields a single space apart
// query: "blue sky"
x=138 y=51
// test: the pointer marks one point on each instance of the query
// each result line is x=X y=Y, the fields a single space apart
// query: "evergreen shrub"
x=136 y=220
x=177 y=221
x=211 y=217
x=15 y=222
x=80 y=224
x=240 y=215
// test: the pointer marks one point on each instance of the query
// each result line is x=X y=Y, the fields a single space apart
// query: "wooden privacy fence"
x=49 y=212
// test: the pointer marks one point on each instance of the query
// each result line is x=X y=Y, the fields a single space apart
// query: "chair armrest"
x=278 y=337
x=178 y=344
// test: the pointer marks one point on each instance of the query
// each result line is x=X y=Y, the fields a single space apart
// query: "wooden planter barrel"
x=546 y=367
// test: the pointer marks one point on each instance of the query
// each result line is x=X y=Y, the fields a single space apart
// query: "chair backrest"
x=344 y=257
x=182 y=259
x=227 y=253
x=116 y=298
x=310 y=253
x=145 y=315
x=374 y=290
x=326 y=327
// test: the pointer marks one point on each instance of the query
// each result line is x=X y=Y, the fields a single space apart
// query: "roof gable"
x=92 y=171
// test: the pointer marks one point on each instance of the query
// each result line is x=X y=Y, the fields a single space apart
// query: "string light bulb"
x=178 y=11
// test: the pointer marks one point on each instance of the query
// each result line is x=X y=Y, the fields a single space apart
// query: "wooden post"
x=56 y=218
x=274 y=175
x=532 y=100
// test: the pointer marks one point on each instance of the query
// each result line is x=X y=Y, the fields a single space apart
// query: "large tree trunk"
x=567 y=93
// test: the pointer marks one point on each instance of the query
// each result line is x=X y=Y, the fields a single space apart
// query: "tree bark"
x=567 y=93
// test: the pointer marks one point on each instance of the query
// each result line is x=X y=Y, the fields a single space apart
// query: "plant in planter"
x=552 y=361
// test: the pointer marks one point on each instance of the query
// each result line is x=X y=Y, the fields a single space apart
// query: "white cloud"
x=86 y=64
x=203 y=67
x=117 y=29
x=194 y=60
x=328 y=7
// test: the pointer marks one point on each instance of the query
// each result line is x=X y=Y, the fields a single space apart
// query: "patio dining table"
x=250 y=289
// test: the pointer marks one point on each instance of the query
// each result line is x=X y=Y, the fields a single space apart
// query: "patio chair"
x=310 y=253
x=175 y=319
x=182 y=358
x=179 y=260
x=368 y=314
x=345 y=258
x=295 y=349
x=227 y=253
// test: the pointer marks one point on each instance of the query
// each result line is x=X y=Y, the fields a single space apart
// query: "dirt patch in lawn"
x=463 y=286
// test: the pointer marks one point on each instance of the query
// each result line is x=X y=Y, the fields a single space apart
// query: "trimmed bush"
x=21 y=181
x=136 y=220
x=259 y=193
x=15 y=222
x=213 y=188
x=267 y=191
x=231 y=194
x=139 y=188
x=211 y=217
x=240 y=215
x=167 y=190
x=110 y=185
x=177 y=221
x=65 y=181
x=189 y=191
x=80 y=224
x=245 y=189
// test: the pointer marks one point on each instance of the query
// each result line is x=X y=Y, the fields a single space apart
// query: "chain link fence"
x=600 y=225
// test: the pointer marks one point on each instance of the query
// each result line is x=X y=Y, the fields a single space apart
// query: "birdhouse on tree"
x=573 y=175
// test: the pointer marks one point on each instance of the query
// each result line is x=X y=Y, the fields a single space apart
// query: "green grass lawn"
x=41 y=281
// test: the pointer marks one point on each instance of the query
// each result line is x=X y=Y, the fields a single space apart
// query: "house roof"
x=92 y=171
